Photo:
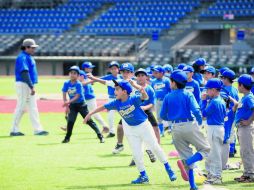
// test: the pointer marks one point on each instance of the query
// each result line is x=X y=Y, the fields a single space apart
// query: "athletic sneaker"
x=14 y=134
x=41 y=133
x=132 y=163
x=102 y=140
x=183 y=168
x=64 y=128
x=118 y=149
x=213 y=180
x=111 y=135
x=151 y=155
x=171 y=175
x=141 y=180
x=66 y=141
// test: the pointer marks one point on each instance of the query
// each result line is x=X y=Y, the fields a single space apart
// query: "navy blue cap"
x=181 y=66
x=158 y=68
x=88 y=65
x=114 y=63
x=179 y=76
x=125 y=85
x=252 y=71
x=141 y=70
x=246 y=80
x=200 y=62
x=188 y=68
x=209 y=69
x=214 y=83
x=74 y=68
x=127 y=67
x=168 y=68
x=229 y=74
x=221 y=70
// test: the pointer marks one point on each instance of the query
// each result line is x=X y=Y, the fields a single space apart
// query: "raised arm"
x=88 y=116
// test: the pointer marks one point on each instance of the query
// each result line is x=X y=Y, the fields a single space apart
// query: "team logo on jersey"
x=226 y=118
x=189 y=89
x=127 y=111
x=240 y=105
x=72 y=91
x=159 y=86
x=125 y=65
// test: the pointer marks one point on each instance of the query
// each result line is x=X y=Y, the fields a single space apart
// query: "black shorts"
x=120 y=122
x=151 y=118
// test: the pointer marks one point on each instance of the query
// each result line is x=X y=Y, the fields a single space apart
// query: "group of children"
x=181 y=98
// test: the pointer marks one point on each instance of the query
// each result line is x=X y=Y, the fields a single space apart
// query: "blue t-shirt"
x=88 y=90
x=233 y=92
x=129 y=110
x=193 y=87
x=26 y=62
x=245 y=108
x=111 y=90
x=151 y=95
x=74 y=88
x=215 y=111
x=161 y=87
x=179 y=105
x=199 y=78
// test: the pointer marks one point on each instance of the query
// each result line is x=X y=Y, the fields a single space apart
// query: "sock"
x=161 y=128
x=196 y=157
x=167 y=166
x=143 y=173
x=232 y=148
x=191 y=179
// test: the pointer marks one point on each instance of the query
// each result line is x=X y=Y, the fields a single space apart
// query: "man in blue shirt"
x=26 y=77
x=136 y=127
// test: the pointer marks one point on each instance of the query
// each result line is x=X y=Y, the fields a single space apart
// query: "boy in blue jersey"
x=181 y=108
x=136 y=126
x=209 y=72
x=161 y=86
x=168 y=70
x=244 y=120
x=90 y=98
x=114 y=70
x=192 y=85
x=198 y=65
x=76 y=103
x=214 y=109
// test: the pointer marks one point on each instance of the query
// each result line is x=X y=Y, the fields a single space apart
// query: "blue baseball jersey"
x=193 y=87
x=179 y=105
x=215 y=111
x=88 y=90
x=111 y=90
x=161 y=87
x=26 y=62
x=129 y=110
x=245 y=108
x=229 y=120
x=199 y=78
x=233 y=92
x=74 y=88
x=151 y=96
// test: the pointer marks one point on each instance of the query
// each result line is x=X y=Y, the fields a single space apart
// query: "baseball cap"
x=82 y=73
x=114 y=63
x=29 y=43
x=200 y=62
x=125 y=85
x=141 y=70
x=127 y=67
x=88 y=65
x=179 y=76
x=158 y=68
x=168 y=68
x=246 y=80
x=252 y=71
x=188 y=68
x=229 y=74
x=181 y=66
x=74 y=68
x=214 y=83
x=221 y=70
x=209 y=69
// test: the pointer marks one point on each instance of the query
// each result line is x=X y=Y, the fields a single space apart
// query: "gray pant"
x=246 y=141
x=224 y=155
x=186 y=134
x=215 y=135
x=158 y=105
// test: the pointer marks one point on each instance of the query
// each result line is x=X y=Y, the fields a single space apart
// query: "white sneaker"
x=213 y=180
x=118 y=148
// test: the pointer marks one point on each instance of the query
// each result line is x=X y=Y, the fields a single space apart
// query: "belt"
x=182 y=120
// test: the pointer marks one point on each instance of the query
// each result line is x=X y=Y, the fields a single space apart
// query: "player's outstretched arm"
x=144 y=95
x=67 y=103
x=95 y=79
x=88 y=116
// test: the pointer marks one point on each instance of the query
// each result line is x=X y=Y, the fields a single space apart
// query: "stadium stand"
x=8 y=42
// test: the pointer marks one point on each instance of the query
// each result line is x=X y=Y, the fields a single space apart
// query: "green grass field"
x=43 y=163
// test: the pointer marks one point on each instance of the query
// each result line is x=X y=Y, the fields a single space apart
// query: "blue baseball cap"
x=114 y=63
x=168 y=68
x=179 y=76
x=246 y=80
x=88 y=65
x=188 y=68
x=200 y=62
x=221 y=70
x=214 y=83
x=209 y=69
x=74 y=68
x=229 y=74
x=141 y=70
x=127 y=67
x=181 y=66
x=125 y=85
x=252 y=71
x=158 y=68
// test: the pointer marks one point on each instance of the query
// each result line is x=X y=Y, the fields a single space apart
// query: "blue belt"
x=182 y=120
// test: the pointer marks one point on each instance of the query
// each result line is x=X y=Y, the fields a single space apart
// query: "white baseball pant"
x=111 y=118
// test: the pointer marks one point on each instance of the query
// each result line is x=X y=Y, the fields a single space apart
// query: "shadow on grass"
x=102 y=186
x=99 y=167
x=114 y=155
x=4 y=137
x=49 y=144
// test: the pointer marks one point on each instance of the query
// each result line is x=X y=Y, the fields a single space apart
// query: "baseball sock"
x=191 y=179
x=143 y=173
x=167 y=166
x=232 y=148
x=196 y=157
x=161 y=128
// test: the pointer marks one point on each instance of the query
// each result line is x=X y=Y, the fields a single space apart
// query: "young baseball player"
x=209 y=73
x=181 y=66
x=114 y=70
x=198 y=65
x=181 y=108
x=136 y=126
x=76 y=103
x=192 y=85
x=244 y=120
x=168 y=70
x=214 y=109
x=89 y=94
x=161 y=86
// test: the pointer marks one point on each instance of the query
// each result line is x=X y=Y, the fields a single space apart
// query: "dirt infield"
x=44 y=106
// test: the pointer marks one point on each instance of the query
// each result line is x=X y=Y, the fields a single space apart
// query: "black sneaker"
x=66 y=141
x=132 y=163
x=15 y=134
x=118 y=148
x=151 y=155
x=42 y=133
x=111 y=135
x=101 y=138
